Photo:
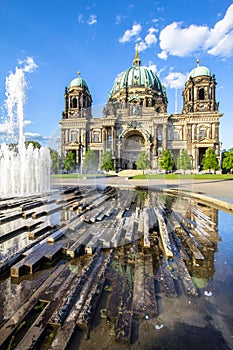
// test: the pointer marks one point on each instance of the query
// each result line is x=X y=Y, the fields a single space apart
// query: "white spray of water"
x=23 y=170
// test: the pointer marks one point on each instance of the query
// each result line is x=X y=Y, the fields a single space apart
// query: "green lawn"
x=185 y=176
x=159 y=176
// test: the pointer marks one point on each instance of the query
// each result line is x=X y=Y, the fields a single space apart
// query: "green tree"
x=166 y=161
x=227 y=162
x=56 y=161
x=107 y=163
x=70 y=161
x=184 y=161
x=35 y=144
x=90 y=163
x=210 y=160
x=143 y=161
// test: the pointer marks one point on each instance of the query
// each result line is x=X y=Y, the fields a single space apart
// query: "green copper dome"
x=78 y=82
x=137 y=76
x=199 y=71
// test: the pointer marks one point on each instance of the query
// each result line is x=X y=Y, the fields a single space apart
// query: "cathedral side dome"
x=199 y=71
x=78 y=82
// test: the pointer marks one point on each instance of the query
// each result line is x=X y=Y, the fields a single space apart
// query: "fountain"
x=24 y=170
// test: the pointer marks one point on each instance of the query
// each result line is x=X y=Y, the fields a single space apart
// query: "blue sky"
x=58 y=38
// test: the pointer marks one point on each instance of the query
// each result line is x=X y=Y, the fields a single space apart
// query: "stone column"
x=154 y=151
x=164 y=140
x=113 y=140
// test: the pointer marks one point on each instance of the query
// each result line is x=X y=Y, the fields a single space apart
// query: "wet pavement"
x=113 y=268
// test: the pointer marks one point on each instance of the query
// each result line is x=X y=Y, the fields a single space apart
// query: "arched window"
x=74 y=102
x=202 y=133
x=96 y=137
x=201 y=95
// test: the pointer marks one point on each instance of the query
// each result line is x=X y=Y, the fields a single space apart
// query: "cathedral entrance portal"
x=133 y=144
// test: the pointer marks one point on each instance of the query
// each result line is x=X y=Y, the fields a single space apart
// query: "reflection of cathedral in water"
x=203 y=225
x=135 y=118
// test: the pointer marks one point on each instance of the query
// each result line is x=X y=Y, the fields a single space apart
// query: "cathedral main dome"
x=137 y=76
x=139 y=85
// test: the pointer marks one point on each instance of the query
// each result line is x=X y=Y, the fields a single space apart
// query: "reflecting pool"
x=115 y=269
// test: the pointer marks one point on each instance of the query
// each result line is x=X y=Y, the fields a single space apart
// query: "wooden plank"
x=146 y=228
x=58 y=234
x=166 y=244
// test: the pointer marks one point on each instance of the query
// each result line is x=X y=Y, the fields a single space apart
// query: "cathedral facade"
x=135 y=119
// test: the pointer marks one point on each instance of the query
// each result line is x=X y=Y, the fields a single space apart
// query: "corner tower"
x=76 y=119
x=199 y=91
x=78 y=99
x=201 y=113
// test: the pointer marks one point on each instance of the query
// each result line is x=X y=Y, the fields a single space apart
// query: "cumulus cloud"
x=163 y=55
x=175 y=80
x=28 y=64
x=150 y=38
x=182 y=42
x=92 y=20
x=220 y=40
x=152 y=67
x=35 y=137
x=130 y=33
x=143 y=44
x=185 y=41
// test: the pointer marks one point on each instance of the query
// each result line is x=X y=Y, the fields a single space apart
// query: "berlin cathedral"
x=135 y=119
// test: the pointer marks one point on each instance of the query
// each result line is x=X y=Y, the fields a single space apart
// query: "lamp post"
x=220 y=159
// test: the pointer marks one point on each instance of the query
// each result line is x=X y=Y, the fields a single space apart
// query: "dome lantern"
x=136 y=61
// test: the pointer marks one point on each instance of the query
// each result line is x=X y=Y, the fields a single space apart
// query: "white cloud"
x=224 y=47
x=182 y=42
x=29 y=64
x=130 y=33
x=175 y=80
x=80 y=18
x=32 y=134
x=163 y=55
x=150 y=38
x=27 y=122
x=142 y=46
x=220 y=40
x=152 y=67
x=35 y=136
x=92 y=20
